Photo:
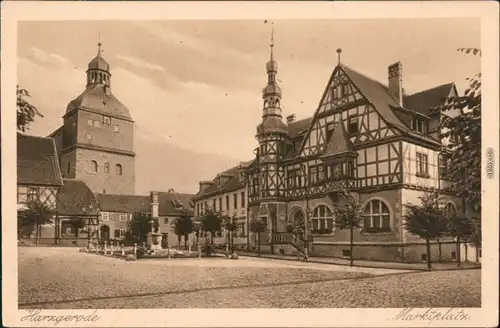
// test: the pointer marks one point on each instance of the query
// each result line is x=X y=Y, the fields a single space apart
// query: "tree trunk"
x=232 y=242
x=466 y=252
x=185 y=241
x=258 y=243
x=428 y=247
x=459 y=260
x=477 y=254
x=439 y=251
x=37 y=233
x=351 y=244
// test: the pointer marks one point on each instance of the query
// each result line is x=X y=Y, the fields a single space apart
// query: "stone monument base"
x=153 y=241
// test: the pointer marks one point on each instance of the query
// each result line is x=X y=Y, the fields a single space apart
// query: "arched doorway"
x=296 y=221
x=104 y=232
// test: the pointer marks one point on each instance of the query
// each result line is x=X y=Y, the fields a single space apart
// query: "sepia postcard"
x=250 y=164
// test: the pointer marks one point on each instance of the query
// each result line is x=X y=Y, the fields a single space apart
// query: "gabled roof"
x=380 y=97
x=232 y=183
x=169 y=200
x=76 y=199
x=294 y=128
x=123 y=203
x=339 y=142
x=424 y=101
x=37 y=162
x=378 y=94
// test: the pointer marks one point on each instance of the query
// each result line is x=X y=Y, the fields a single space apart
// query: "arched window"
x=376 y=216
x=93 y=166
x=450 y=209
x=119 y=169
x=322 y=220
x=106 y=167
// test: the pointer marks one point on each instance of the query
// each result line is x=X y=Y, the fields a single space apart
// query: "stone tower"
x=98 y=135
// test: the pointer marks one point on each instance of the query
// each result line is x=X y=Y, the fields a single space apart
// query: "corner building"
x=380 y=144
x=96 y=142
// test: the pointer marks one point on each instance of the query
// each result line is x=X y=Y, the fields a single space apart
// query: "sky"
x=194 y=86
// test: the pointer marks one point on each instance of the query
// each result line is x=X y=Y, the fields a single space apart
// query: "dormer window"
x=177 y=204
x=106 y=120
x=419 y=125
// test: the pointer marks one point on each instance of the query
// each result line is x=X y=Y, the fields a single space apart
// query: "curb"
x=361 y=266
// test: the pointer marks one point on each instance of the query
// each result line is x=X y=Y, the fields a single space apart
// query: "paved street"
x=64 y=278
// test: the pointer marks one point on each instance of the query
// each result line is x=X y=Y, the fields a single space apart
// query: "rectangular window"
x=235 y=201
x=313 y=175
x=264 y=220
x=116 y=128
x=105 y=216
x=106 y=120
x=165 y=221
x=243 y=199
x=423 y=257
x=214 y=204
x=422 y=164
x=453 y=256
x=90 y=122
x=352 y=127
x=321 y=173
x=117 y=233
x=123 y=232
x=97 y=124
x=123 y=217
x=227 y=202
x=32 y=194
x=220 y=203
x=345 y=89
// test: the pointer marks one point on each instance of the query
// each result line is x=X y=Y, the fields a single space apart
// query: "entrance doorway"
x=104 y=233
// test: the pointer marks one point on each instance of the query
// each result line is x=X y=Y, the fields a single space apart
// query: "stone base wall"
x=408 y=253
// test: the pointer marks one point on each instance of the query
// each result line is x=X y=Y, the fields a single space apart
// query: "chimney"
x=396 y=81
x=154 y=204
x=290 y=118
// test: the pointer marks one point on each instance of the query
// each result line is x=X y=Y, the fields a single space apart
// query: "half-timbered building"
x=38 y=175
x=368 y=138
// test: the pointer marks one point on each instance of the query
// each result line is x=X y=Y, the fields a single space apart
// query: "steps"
x=286 y=238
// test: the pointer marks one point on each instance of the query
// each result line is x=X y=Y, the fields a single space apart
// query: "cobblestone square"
x=65 y=278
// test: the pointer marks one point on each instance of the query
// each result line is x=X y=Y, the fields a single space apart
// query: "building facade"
x=374 y=141
x=226 y=194
x=96 y=141
x=38 y=176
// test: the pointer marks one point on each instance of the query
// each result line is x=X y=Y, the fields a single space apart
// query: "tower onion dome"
x=272 y=65
x=272 y=89
x=98 y=62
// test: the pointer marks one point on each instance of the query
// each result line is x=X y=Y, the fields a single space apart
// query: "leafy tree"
x=211 y=222
x=34 y=215
x=461 y=123
x=77 y=224
x=461 y=227
x=426 y=220
x=26 y=112
x=140 y=225
x=348 y=216
x=183 y=226
x=257 y=227
x=231 y=226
